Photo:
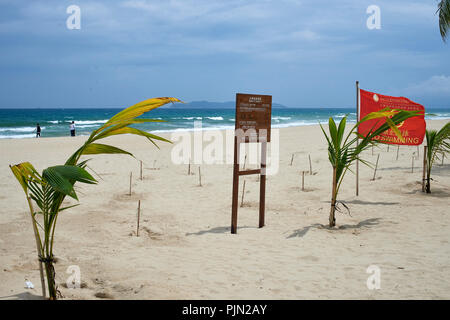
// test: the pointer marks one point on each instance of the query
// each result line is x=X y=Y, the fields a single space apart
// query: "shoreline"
x=221 y=128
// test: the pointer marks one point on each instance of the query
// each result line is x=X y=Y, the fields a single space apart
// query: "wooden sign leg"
x=234 y=205
x=262 y=185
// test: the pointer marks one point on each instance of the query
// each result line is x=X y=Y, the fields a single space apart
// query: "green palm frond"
x=342 y=153
x=49 y=190
x=444 y=18
x=63 y=178
x=438 y=144
x=119 y=124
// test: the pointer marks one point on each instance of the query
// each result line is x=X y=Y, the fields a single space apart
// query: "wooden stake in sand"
x=412 y=165
x=131 y=177
x=398 y=149
x=245 y=160
x=376 y=167
x=189 y=167
x=292 y=159
x=388 y=149
x=310 y=165
x=243 y=192
x=141 y=169
x=199 y=176
x=303 y=180
x=424 y=167
x=418 y=153
x=138 y=218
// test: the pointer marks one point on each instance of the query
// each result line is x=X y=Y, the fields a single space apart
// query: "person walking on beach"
x=72 y=129
x=38 y=130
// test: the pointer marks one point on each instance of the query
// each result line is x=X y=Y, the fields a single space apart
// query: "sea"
x=21 y=123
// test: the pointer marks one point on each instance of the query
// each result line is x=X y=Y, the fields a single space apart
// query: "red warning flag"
x=412 y=129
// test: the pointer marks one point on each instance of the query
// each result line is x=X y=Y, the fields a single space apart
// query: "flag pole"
x=357 y=140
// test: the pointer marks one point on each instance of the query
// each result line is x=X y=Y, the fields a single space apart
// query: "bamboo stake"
x=138 y=218
x=292 y=159
x=398 y=149
x=189 y=167
x=412 y=165
x=418 y=152
x=376 y=167
x=310 y=165
x=131 y=177
x=388 y=149
x=38 y=246
x=243 y=192
x=199 y=176
x=141 y=169
x=303 y=180
x=424 y=167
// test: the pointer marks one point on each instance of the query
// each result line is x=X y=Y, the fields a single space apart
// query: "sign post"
x=253 y=119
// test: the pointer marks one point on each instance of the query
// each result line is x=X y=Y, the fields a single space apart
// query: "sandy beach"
x=185 y=249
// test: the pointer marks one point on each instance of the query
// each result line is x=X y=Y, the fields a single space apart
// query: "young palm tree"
x=49 y=189
x=342 y=153
x=444 y=18
x=438 y=144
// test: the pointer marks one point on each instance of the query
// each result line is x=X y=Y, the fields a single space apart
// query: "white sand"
x=186 y=251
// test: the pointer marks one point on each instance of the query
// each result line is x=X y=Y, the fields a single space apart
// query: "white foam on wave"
x=215 y=118
x=281 y=118
x=192 y=129
x=87 y=126
x=88 y=121
x=190 y=118
x=17 y=136
x=19 y=129
x=295 y=124
x=437 y=116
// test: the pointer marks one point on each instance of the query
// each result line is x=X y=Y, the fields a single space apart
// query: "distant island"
x=214 y=105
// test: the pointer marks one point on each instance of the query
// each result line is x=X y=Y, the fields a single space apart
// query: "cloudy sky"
x=306 y=53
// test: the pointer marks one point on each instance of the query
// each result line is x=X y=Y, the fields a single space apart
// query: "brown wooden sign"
x=253 y=121
x=253 y=114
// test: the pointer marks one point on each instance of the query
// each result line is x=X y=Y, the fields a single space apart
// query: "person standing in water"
x=72 y=129
x=38 y=130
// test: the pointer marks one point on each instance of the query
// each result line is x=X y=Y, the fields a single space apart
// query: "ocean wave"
x=437 y=116
x=86 y=126
x=54 y=121
x=295 y=124
x=224 y=127
x=215 y=118
x=17 y=136
x=190 y=118
x=281 y=118
x=88 y=121
x=20 y=129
